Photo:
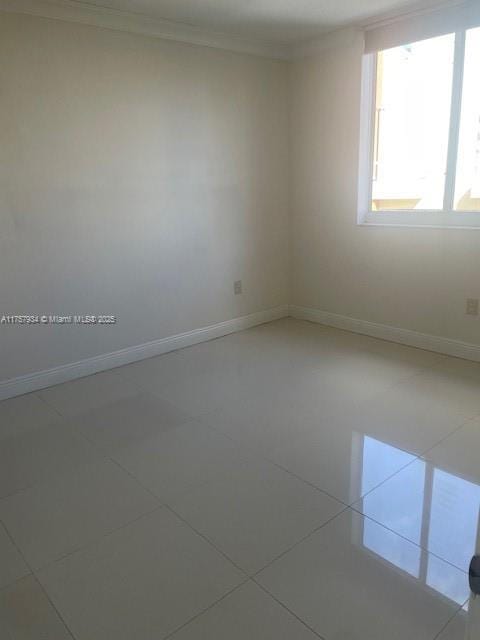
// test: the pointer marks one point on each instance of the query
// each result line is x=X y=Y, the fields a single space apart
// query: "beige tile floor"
x=288 y=482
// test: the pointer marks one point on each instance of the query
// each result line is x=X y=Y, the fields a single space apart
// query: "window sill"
x=427 y=219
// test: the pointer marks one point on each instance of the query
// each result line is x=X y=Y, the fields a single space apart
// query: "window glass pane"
x=379 y=459
x=412 y=116
x=467 y=190
x=454 y=518
x=446 y=579
x=392 y=548
x=409 y=498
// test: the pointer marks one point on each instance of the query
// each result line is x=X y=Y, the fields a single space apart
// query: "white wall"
x=415 y=279
x=138 y=178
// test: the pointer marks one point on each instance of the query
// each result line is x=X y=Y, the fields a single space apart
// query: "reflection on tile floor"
x=431 y=507
x=289 y=481
x=355 y=579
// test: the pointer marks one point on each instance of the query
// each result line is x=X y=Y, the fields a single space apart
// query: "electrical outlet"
x=472 y=307
x=237 y=287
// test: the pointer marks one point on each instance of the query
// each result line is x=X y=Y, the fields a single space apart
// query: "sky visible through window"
x=467 y=191
x=412 y=128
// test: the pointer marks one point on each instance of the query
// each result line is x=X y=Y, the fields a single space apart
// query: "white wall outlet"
x=237 y=287
x=472 y=306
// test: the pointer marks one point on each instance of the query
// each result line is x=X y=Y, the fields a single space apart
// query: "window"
x=421 y=127
x=467 y=188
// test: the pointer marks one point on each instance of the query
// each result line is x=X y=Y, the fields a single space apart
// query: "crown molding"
x=84 y=13
x=421 y=9
x=107 y=18
x=340 y=38
x=348 y=35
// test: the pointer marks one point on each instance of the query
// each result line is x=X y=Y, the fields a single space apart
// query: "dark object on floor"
x=474 y=575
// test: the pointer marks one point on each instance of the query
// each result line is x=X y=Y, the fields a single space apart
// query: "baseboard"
x=71 y=371
x=425 y=341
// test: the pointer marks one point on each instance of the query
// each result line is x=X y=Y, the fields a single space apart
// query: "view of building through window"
x=467 y=191
x=415 y=128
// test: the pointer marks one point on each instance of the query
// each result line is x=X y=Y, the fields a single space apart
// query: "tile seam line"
x=210 y=542
x=51 y=479
x=94 y=541
x=449 y=621
x=417 y=458
x=425 y=452
x=39 y=392
x=14 y=582
x=30 y=572
x=271 y=461
x=210 y=606
x=290 y=611
x=254 y=578
x=160 y=505
x=54 y=607
x=329 y=495
x=300 y=541
x=139 y=387
x=419 y=546
x=165 y=505
x=37 y=581
x=263 y=458
x=47 y=404
x=421 y=371
x=439 y=359
x=103 y=457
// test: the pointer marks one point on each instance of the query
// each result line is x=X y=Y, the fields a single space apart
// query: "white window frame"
x=440 y=218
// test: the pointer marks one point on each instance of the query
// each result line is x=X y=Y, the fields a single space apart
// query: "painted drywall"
x=417 y=279
x=138 y=178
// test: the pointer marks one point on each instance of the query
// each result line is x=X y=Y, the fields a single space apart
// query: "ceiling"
x=276 y=21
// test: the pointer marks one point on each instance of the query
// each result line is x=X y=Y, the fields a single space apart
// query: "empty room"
x=239 y=320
